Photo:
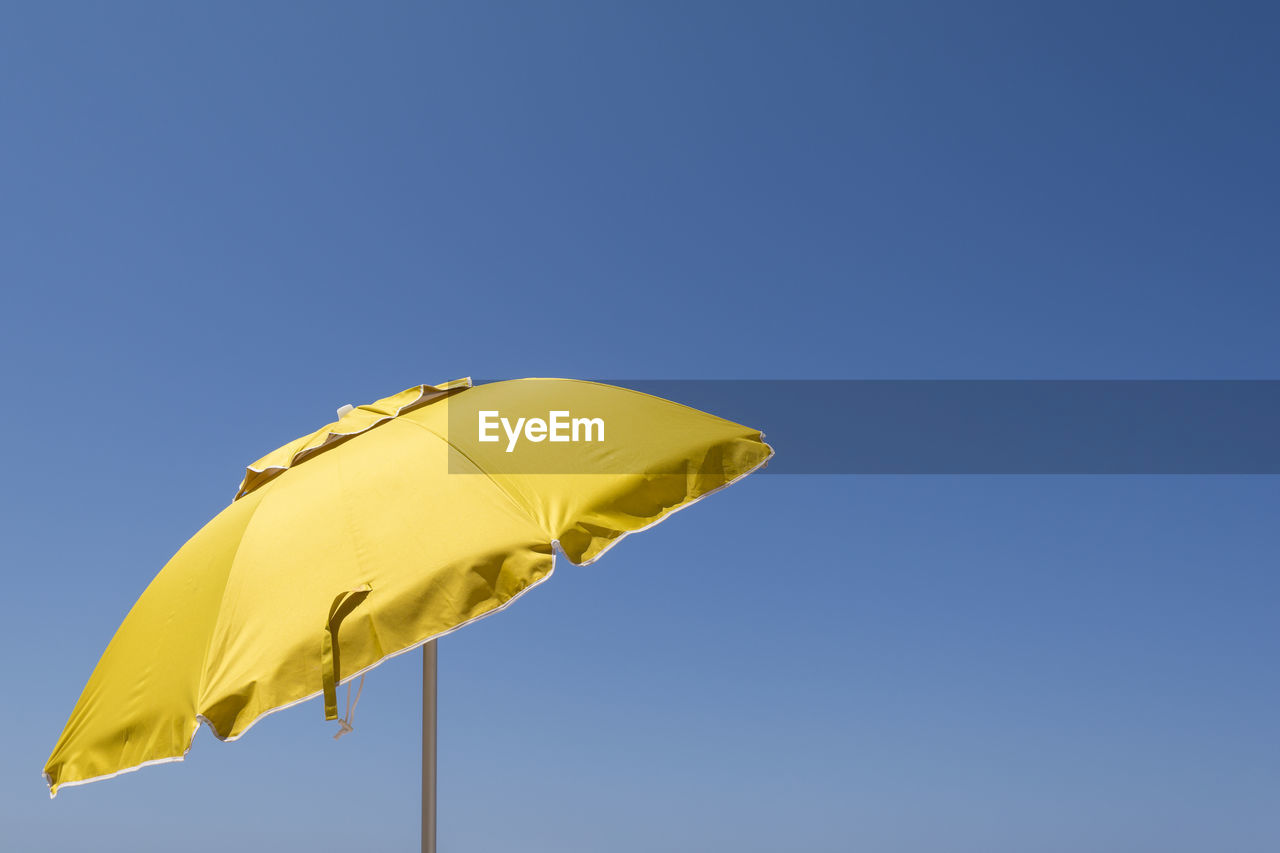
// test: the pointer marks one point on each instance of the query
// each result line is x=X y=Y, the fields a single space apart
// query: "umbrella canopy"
x=402 y=521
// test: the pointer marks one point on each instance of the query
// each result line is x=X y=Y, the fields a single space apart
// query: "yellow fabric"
x=364 y=547
x=349 y=425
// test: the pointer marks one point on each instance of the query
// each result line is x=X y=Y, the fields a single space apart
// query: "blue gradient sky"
x=219 y=223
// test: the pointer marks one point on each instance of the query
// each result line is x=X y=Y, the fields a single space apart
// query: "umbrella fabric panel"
x=433 y=556
x=139 y=705
x=656 y=457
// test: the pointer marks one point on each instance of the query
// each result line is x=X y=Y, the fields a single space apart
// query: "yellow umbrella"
x=400 y=522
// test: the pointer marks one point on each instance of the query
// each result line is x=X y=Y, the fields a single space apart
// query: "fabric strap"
x=330 y=652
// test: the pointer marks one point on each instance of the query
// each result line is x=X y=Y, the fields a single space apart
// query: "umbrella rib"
x=524 y=510
x=222 y=600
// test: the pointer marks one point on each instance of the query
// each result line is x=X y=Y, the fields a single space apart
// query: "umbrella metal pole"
x=429 y=660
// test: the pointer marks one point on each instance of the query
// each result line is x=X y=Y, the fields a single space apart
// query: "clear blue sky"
x=219 y=223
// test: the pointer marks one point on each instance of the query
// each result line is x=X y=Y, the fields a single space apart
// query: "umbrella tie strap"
x=344 y=725
x=331 y=652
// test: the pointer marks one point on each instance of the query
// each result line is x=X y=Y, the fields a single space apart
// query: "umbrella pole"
x=429 y=660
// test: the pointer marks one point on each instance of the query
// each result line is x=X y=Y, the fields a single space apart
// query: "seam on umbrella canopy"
x=300 y=450
x=474 y=464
